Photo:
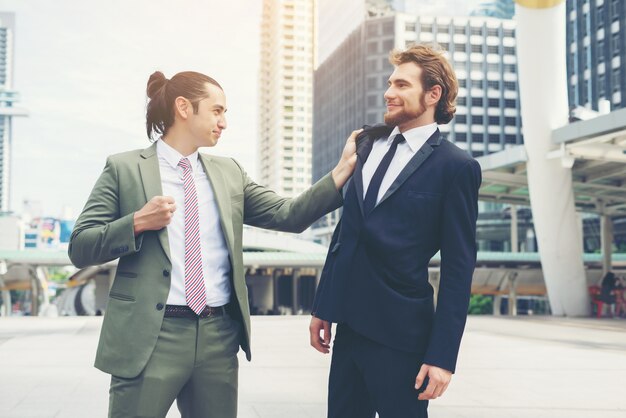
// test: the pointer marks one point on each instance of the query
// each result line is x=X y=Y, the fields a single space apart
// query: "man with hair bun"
x=413 y=194
x=178 y=307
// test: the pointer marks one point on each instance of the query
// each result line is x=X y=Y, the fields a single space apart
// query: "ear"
x=433 y=95
x=181 y=107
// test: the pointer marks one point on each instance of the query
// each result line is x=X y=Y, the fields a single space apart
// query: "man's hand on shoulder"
x=438 y=381
x=318 y=341
x=344 y=168
x=155 y=215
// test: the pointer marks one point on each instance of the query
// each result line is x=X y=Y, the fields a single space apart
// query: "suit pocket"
x=127 y=274
x=414 y=194
x=122 y=297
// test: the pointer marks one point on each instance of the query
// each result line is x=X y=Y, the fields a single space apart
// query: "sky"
x=81 y=69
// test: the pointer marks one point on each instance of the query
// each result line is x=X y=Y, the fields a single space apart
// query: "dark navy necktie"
x=372 y=190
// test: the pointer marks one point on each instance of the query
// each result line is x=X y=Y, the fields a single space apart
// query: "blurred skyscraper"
x=502 y=9
x=350 y=83
x=596 y=36
x=7 y=111
x=288 y=59
x=337 y=19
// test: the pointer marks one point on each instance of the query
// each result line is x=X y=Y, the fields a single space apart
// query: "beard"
x=404 y=115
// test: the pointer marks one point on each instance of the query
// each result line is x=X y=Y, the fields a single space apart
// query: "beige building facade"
x=288 y=59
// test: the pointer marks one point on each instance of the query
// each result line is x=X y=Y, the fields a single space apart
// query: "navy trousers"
x=367 y=377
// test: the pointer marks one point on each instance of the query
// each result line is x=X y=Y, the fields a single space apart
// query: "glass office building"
x=597 y=48
x=349 y=85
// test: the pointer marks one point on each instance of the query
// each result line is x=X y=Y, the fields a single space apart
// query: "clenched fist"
x=155 y=215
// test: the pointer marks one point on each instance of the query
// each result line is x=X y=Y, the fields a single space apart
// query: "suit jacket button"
x=159 y=306
x=166 y=273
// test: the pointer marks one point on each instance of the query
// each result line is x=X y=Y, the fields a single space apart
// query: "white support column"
x=41 y=275
x=542 y=74
x=606 y=239
x=514 y=237
x=295 y=280
x=34 y=296
x=512 y=293
x=275 y=274
x=6 y=303
x=6 y=294
x=497 y=305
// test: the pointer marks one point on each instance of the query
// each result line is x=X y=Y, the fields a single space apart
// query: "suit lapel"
x=151 y=180
x=414 y=163
x=222 y=197
x=363 y=149
x=357 y=178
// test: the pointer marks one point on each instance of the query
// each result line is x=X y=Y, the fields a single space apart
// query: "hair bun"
x=155 y=83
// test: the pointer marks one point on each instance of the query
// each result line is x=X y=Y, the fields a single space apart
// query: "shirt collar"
x=173 y=157
x=415 y=137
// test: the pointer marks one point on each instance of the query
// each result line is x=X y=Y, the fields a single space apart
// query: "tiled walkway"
x=508 y=368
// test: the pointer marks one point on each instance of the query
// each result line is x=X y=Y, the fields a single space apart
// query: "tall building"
x=349 y=86
x=7 y=111
x=337 y=19
x=502 y=9
x=596 y=36
x=288 y=59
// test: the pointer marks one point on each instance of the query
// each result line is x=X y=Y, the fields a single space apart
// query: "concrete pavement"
x=508 y=368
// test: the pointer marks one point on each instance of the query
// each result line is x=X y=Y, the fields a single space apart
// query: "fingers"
x=161 y=210
x=327 y=333
x=156 y=214
x=438 y=381
x=421 y=376
x=165 y=203
x=168 y=206
x=354 y=134
x=321 y=344
x=170 y=203
x=432 y=391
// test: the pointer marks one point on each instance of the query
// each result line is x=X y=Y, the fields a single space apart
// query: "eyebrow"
x=398 y=80
x=219 y=107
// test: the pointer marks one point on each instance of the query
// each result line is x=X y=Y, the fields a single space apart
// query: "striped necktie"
x=195 y=291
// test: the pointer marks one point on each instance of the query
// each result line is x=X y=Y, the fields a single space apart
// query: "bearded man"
x=413 y=194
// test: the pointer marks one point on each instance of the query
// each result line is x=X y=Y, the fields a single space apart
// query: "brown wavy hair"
x=163 y=92
x=436 y=70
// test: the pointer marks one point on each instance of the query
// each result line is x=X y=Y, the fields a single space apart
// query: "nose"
x=388 y=93
x=222 y=124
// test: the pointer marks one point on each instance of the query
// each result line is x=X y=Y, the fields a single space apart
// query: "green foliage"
x=480 y=305
x=58 y=275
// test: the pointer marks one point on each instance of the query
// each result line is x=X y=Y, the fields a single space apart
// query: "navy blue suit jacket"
x=376 y=274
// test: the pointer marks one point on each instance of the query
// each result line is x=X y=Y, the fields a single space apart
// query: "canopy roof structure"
x=594 y=149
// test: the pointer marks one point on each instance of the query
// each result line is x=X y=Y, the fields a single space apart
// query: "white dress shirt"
x=415 y=138
x=215 y=262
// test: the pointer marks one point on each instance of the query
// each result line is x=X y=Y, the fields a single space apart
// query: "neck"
x=180 y=142
x=426 y=118
x=413 y=124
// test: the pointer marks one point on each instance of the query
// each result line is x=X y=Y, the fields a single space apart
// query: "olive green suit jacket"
x=104 y=231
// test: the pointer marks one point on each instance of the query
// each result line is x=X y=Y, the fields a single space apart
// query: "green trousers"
x=194 y=362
